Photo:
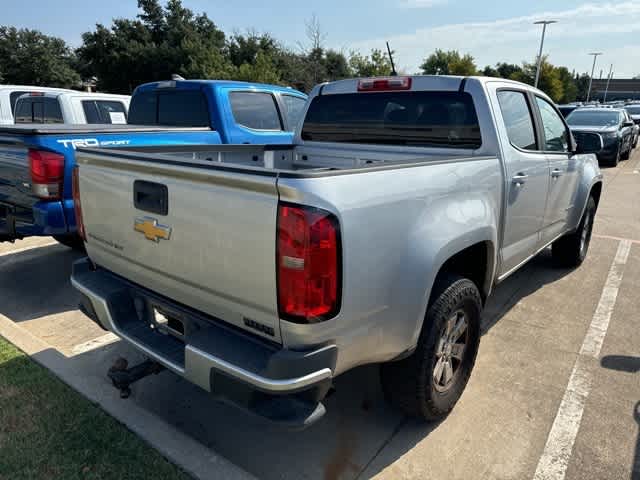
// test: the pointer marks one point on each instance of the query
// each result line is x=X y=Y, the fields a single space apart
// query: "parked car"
x=634 y=112
x=36 y=160
x=10 y=93
x=635 y=128
x=611 y=124
x=71 y=108
x=376 y=238
x=565 y=110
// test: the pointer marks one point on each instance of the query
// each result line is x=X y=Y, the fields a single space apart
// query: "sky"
x=492 y=31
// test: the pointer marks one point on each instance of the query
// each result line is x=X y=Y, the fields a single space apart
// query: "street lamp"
x=593 y=69
x=544 y=24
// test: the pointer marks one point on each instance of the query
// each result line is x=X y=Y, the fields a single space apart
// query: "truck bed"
x=276 y=160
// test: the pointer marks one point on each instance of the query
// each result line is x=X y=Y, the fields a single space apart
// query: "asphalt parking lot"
x=555 y=392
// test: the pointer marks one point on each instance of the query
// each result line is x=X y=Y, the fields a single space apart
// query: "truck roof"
x=213 y=84
x=418 y=83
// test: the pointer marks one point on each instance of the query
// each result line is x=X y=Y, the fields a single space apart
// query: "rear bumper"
x=280 y=385
x=43 y=219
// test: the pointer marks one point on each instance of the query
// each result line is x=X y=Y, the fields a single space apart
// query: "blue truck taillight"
x=47 y=174
x=308 y=264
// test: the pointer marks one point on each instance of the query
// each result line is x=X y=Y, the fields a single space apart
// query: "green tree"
x=569 y=86
x=449 y=63
x=376 y=64
x=29 y=57
x=159 y=42
x=582 y=84
x=549 y=81
x=336 y=65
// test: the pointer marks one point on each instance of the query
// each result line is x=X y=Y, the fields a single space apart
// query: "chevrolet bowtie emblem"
x=152 y=229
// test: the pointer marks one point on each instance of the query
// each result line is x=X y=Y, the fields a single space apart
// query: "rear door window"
x=255 y=110
x=295 y=110
x=517 y=119
x=183 y=108
x=104 y=111
x=422 y=119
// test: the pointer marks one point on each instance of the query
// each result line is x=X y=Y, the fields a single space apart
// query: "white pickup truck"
x=71 y=107
x=260 y=273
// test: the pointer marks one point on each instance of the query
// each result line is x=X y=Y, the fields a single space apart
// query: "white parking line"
x=557 y=452
x=101 y=341
x=32 y=247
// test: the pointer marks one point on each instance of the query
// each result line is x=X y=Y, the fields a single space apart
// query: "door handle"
x=557 y=173
x=519 y=179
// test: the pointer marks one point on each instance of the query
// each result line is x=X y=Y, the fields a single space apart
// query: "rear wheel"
x=71 y=241
x=428 y=383
x=571 y=250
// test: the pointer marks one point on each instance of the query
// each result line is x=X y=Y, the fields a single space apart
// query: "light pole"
x=606 y=90
x=544 y=24
x=593 y=69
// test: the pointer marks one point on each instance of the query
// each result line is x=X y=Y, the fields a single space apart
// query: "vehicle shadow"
x=537 y=273
x=628 y=364
x=35 y=282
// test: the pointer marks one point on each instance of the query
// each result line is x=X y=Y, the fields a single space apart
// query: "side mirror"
x=589 y=143
x=627 y=124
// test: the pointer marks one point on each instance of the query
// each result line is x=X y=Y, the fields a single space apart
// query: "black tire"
x=616 y=160
x=409 y=384
x=627 y=154
x=571 y=250
x=71 y=241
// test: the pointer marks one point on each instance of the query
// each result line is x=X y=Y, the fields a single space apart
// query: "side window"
x=556 y=136
x=295 y=109
x=104 y=111
x=255 y=110
x=517 y=119
x=90 y=111
x=52 y=112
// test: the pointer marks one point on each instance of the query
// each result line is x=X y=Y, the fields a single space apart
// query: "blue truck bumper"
x=48 y=218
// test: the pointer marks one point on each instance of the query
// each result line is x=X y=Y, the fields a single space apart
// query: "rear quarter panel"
x=398 y=228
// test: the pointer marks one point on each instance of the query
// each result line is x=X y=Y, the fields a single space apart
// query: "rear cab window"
x=38 y=109
x=171 y=108
x=255 y=110
x=442 y=119
x=104 y=111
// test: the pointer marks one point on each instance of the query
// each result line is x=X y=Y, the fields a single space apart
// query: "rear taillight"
x=47 y=174
x=77 y=206
x=309 y=266
x=384 y=84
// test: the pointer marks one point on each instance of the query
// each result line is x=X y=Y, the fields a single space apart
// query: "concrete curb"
x=180 y=449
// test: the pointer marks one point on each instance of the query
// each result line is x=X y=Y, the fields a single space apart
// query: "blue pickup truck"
x=36 y=161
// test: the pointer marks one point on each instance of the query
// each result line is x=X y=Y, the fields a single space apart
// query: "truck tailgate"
x=212 y=247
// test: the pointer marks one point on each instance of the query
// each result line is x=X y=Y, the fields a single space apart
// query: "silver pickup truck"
x=260 y=273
